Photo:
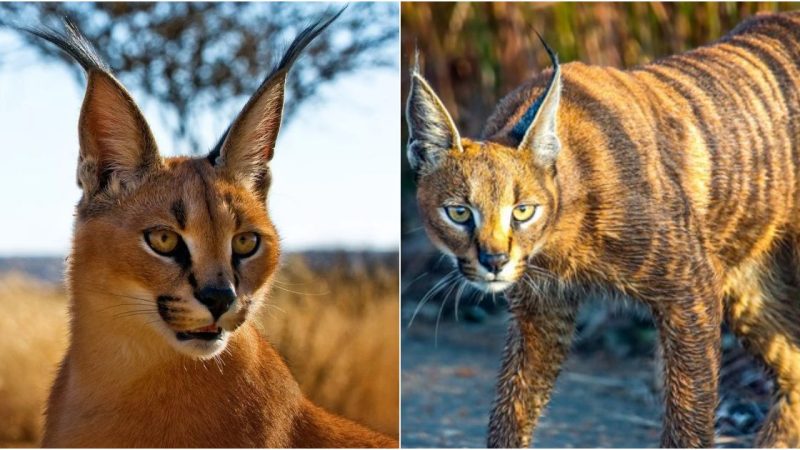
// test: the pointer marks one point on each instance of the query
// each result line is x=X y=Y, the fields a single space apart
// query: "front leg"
x=690 y=341
x=539 y=339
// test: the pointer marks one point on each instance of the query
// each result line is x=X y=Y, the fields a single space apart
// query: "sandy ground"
x=448 y=386
x=600 y=400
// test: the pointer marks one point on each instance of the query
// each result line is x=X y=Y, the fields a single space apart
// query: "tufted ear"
x=431 y=130
x=246 y=148
x=536 y=130
x=116 y=145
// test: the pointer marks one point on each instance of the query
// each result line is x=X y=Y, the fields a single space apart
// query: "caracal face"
x=489 y=209
x=188 y=255
x=488 y=205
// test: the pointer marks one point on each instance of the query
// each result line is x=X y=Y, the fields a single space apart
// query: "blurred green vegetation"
x=474 y=53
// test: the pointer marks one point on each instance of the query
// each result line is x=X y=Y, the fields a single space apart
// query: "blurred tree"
x=196 y=57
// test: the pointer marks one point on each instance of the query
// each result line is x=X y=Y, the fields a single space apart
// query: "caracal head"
x=173 y=252
x=487 y=204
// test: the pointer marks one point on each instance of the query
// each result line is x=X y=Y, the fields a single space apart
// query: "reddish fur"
x=128 y=378
x=247 y=399
x=121 y=385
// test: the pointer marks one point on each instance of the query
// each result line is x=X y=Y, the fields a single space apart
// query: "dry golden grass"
x=335 y=322
x=340 y=335
x=34 y=324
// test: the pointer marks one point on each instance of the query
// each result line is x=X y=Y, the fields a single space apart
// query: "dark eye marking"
x=182 y=256
x=192 y=280
x=179 y=211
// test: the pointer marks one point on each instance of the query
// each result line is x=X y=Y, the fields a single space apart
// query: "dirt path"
x=448 y=390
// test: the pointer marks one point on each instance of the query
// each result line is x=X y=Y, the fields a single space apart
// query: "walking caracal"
x=674 y=183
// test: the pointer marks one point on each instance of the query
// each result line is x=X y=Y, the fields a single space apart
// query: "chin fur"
x=194 y=348
x=491 y=287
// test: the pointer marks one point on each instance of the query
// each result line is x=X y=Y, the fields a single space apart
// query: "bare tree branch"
x=197 y=57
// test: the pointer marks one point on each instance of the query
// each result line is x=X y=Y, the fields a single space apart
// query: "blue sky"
x=336 y=176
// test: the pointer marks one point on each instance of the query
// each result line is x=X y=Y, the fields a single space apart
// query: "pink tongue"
x=210 y=329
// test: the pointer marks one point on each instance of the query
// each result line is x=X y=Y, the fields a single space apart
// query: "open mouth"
x=207 y=333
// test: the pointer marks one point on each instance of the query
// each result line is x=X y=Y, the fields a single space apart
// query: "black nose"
x=493 y=262
x=217 y=299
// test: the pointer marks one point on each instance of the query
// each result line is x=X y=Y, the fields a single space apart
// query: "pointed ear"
x=537 y=127
x=249 y=144
x=117 y=146
x=431 y=130
x=245 y=150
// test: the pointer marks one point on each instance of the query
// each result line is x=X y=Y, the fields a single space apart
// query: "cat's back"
x=761 y=54
x=713 y=132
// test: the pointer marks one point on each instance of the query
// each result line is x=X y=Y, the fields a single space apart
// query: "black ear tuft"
x=537 y=131
x=519 y=130
x=72 y=43
x=116 y=144
x=247 y=146
x=431 y=130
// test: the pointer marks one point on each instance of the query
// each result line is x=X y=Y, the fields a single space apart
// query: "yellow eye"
x=162 y=242
x=523 y=213
x=245 y=244
x=458 y=214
